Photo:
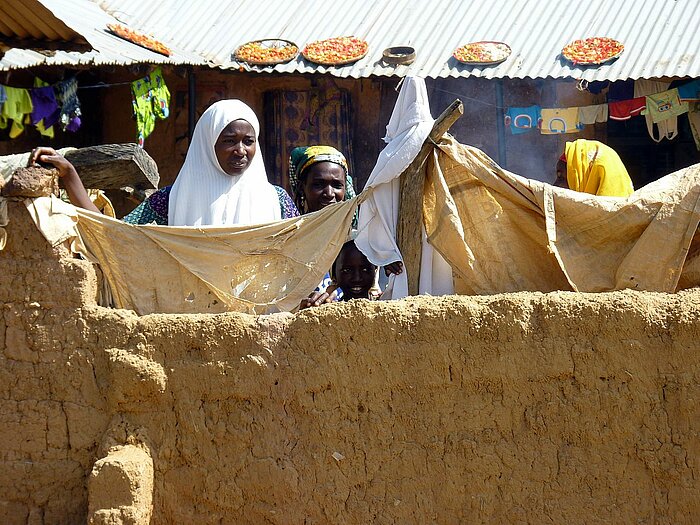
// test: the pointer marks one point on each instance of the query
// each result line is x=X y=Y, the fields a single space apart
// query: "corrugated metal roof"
x=89 y=20
x=661 y=37
x=29 y=23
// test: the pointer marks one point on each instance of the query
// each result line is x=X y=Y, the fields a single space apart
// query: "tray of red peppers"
x=592 y=51
x=266 y=52
x=336 y=51
x=138 y=38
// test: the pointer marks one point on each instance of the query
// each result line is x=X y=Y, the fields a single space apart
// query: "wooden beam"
x=113 y=166
x=410 y=221
x=45 y=45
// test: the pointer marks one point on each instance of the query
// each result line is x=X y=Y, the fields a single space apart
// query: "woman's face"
x=324 y=184
x=354 y=273
x=236 y=147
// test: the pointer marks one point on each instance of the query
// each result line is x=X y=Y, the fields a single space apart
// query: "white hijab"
x=204 y=194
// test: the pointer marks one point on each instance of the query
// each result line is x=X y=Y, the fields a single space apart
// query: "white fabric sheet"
x=435 y=272
x=409 y=126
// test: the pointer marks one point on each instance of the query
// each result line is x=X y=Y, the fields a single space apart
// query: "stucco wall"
x=518 y=408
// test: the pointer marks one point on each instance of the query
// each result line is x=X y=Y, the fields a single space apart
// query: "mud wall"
x=529 y=407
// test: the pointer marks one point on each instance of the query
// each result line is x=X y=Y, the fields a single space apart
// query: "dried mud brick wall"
x=564 y=408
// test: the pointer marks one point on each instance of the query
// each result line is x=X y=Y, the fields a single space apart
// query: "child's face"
x=354 y=273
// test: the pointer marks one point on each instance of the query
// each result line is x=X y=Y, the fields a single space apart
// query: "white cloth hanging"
x=204 y=194
x=435 y=272
x=409 y=126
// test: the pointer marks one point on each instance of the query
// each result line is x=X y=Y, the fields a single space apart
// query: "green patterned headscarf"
x=304 y=157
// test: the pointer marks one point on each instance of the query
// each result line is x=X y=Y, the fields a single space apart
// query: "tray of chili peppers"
x=336 y=51
x=592 y=51
x=138 y=38
x=267 y=52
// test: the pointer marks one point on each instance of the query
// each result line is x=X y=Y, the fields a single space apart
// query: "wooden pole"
x=500 y=125
x=410 y=221
x=191 y=102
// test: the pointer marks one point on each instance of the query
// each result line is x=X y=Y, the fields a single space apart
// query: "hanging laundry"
x=666 y=129
x=522 y=120
x=597 y=86
x=644 y=87
x=663 y=106
x=690 y=90
x=3 y=95
x=591 y=114
x=150 y=100
x=621 y=90
x=67 y=98
x=626 y=109
x=17 y=104
x=562 y=120
x=694 y=119
x=46 y=110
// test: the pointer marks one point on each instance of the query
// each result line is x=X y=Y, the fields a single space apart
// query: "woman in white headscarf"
x=222 y=182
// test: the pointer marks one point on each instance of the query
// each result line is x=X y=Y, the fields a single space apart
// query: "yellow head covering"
x=592 y=167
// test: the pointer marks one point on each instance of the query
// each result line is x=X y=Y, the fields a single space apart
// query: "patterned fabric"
x=287 y=206
x=155 y=208
x=303 y=157
x=45 y=125
x=325 y=283
x=316 y=116
x=150 y=99
x=67 y=98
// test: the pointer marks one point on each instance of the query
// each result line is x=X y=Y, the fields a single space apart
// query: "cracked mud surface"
x=517 y=408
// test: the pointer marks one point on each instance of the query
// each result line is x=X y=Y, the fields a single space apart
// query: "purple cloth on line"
x=74 y=124
x=45 y=106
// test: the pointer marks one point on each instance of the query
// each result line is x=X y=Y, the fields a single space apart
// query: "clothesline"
x=151 y=98
x=465 y=97
x=45 y=105
x=661 y=108
x=106 y=84
x=462 y=96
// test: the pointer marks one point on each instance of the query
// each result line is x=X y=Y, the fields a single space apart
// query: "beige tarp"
x=253 y=269
x=501 y=232
x=248 y=269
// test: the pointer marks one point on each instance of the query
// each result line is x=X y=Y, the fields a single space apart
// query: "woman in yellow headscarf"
x=592 y=167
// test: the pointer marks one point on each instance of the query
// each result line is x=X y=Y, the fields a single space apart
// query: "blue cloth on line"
x=690 y=90
x=522 y=120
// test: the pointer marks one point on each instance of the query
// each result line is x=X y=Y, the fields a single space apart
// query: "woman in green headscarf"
x=319 y=177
